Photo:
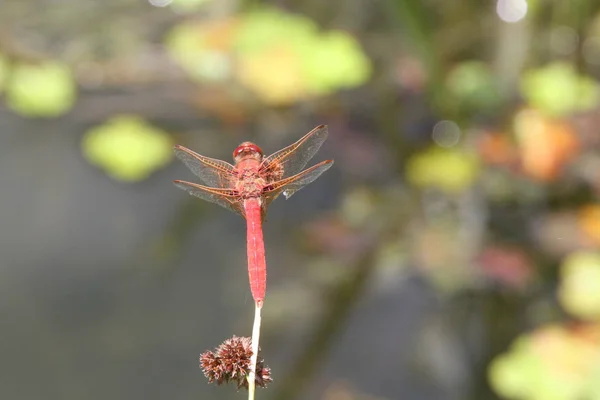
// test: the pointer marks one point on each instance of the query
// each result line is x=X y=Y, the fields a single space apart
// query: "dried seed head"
x=211 y=367
x=231 y=362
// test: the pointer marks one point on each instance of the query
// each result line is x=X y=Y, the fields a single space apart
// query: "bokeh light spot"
x=160 y=3
x=446 y=133
x=511 y=10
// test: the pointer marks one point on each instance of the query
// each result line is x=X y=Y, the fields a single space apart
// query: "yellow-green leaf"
x=450 y=170
x=336 y=61
x=558 y=89
x=42 y=90
x=127 y=148
x=579 y=291
x=265 y=28
x=552 y=363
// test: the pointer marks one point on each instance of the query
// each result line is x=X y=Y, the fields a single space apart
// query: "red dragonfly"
x=252 y=184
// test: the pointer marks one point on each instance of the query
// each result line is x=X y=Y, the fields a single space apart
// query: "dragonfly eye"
x=246 y=148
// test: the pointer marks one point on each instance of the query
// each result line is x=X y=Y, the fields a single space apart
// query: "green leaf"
x=327 y=62
x=127 y=148
x=44 y=90
x=552 y=363
x=513 y=375
x=558 y=90
x=593 y=382
x=265 y=28
x=579 y=291
x=449 y=170
x=336 y=61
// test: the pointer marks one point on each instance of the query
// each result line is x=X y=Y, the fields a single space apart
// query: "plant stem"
x=254 y=358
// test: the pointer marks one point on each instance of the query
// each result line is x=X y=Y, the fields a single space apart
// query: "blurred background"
x=452 y=252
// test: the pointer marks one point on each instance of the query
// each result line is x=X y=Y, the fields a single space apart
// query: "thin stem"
x=254 y=358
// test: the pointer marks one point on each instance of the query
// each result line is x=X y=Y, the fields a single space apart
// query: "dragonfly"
x=250 y=185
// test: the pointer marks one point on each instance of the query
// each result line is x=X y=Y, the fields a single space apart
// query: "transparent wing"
x=291 y=159
x=291 y=185
x=215 y=173
x=227 y=198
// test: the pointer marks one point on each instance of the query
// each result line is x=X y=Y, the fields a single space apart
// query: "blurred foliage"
x=552 y=363
x=188 y=6
x=127 y=148
x=202 y=49
x=280 y=57
x=589 y=215
x=467 y=151
x=579 y=290
x=448 y=170
x=559 y=361
x=558 y=89
x=40 y=90
x=473 y=86
x=545 y=144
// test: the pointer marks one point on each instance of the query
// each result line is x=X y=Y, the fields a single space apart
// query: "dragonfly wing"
x=291 y=185
x=227 y=198
x=291 y=159
x=216 y=173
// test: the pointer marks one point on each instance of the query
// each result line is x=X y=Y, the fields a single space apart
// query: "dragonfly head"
x=247 y=150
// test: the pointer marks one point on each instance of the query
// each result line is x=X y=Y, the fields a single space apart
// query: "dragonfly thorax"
x=250 y=187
